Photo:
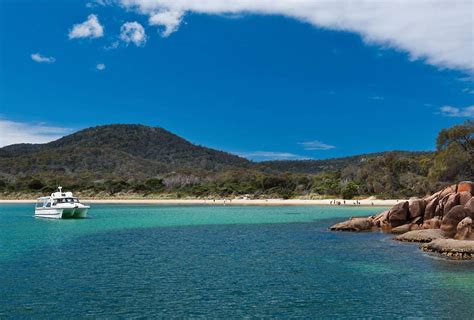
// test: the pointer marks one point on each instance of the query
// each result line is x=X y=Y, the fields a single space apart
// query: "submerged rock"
x=426 y=235
x=456 y=249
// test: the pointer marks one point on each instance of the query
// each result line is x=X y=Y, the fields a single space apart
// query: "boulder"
x=452 y=218
x=354 y=224
x=416 y=208
x=398 y=215
x=433 y=223
x=466 y=186
x=433 y=196
x=451 y=201
x=448 y=190
x=464 y=230
x=431 y=204
x=455 y=249
x=464 y=197
x=381 y=217
x=406 y=227
x=469 y=206
x=421 y=235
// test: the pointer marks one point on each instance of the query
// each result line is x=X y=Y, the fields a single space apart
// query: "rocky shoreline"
x=443 y=222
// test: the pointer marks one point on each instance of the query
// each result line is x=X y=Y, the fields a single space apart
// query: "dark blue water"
x=215 y=262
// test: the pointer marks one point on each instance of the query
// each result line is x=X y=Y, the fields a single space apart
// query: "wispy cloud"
x=449 y=111
x=23 y=132
x=316 y=145
x=112 y=46
x=98 y=3
x=100 y=66
x=270 y=155
x=42 y=59
x=91 y=28
x=468 y=90
x=440 y=32
x=376 y=98
x=133 y=32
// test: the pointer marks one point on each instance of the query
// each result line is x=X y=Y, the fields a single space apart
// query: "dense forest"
x=141 y=161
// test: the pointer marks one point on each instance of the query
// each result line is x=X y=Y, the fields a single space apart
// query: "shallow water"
x=214 y=262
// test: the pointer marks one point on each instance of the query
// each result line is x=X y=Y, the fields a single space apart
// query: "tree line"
x=387 y=175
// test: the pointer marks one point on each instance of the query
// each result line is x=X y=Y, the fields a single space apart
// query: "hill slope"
x=316 y=166
x=127 y=150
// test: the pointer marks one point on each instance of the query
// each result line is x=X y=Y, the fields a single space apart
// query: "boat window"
x=48 y=204
x=67 y=200
x=39 y=204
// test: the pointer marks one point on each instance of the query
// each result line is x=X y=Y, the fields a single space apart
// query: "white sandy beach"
x=239 y=202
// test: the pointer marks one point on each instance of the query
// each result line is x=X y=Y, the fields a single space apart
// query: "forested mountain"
x=316 y=166
x=129 y=151
x=136 y=160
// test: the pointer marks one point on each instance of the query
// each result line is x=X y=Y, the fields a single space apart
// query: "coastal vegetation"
x=136 y=160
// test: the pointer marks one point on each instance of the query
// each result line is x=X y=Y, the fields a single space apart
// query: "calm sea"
x=219 y=262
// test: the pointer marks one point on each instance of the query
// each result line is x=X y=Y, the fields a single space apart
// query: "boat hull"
x=62 y=213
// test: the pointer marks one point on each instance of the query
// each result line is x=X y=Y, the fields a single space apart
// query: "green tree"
x=349 y=190
x=454 y=159
x=462 y=135
x=35 y=184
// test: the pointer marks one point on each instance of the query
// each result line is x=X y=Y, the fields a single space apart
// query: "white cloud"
x=91 y=28
x=269 y=155
x=316 y=145
x=22 y=132
x=133 y=32
x=100 y=66
x=436 y=31
x=449 y=111
x=168 y=19
x=42 y=59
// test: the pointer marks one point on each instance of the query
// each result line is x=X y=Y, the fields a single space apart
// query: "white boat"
x=60 y=205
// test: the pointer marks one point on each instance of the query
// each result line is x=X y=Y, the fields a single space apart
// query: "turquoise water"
x=215 y=262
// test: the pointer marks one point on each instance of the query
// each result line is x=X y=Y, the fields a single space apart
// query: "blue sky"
x=253 y=81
